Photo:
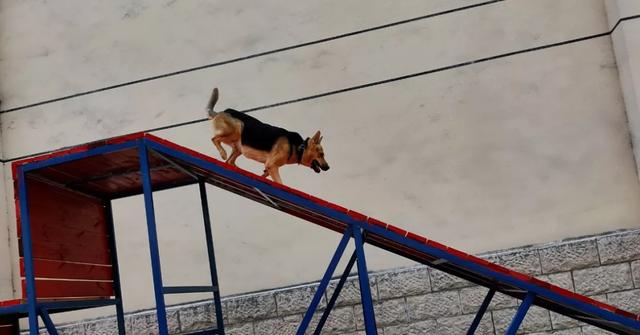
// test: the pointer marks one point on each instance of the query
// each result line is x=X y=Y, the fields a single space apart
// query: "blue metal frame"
x=55 y=306
x=526 y=286
x=154 y=251
x=14 y=309
x=159 y=289
x=32 y=304
x=481 y=311
x=365 y=290
x=402 y=240
x=115 y=268
x=280 y=193
x=520 y=314
x=212 y=257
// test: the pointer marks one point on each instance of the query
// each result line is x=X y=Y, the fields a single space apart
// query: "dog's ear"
x=316 y=137
x=320 y=140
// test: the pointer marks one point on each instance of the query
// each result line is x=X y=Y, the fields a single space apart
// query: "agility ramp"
x=142 y=163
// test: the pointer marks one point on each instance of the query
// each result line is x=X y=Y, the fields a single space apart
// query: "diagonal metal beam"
x=324 y=282
x=481 y=311
x=520 y=314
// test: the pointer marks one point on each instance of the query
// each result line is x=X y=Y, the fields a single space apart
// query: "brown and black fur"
x=262 y=142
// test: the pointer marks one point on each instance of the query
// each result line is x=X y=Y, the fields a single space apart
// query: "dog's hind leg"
x=217 y=140
x=235 y=153
x=275 y=174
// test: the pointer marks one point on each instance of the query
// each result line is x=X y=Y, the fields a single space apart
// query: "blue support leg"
x=154 y=251
x=336 y=293
x=481 y=311
x=324 y=282
x=117 y=288
x=365 y=290
x=520 y=314
x=51 y=328
x=212 y=257
x=27 y=253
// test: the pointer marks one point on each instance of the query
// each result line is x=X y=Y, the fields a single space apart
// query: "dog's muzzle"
x=317 y=167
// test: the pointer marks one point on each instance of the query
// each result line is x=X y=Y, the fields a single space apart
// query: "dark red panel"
x=46 y=289
x=64 y=270
x=79 y=252
x=65 y=235
x=7 y=326
x=66 y=225
x=56 y=207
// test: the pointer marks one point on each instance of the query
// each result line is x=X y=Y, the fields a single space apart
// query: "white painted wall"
x=627 y=50
x=518 y=150
x=6 y=236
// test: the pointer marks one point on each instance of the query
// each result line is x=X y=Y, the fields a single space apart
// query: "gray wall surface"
x=523 y=148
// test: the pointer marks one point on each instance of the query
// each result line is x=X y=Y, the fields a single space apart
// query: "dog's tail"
x=212 y=102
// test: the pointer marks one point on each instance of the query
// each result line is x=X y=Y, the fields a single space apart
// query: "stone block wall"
x=420 y=300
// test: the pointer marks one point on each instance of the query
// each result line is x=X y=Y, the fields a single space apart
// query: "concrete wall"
x=627 y=51
x=6 y=237
x=517 y=150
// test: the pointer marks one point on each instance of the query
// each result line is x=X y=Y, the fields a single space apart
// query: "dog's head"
x=313 y=155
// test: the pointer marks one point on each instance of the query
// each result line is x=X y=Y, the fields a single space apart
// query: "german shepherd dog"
x=264 y=143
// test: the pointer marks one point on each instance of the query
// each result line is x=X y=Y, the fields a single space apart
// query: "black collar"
x=301 y=148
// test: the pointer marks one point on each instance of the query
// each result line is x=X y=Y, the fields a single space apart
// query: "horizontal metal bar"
x=206 y=332
x=188 y=289
x=14 y=309
x=55 y=306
